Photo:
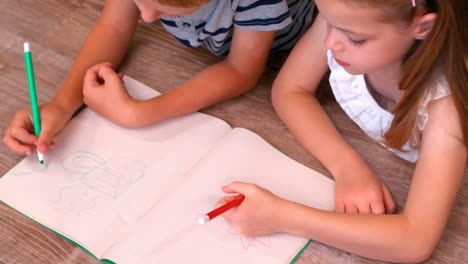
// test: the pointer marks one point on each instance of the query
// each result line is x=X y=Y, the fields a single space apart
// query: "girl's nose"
x=332 y=40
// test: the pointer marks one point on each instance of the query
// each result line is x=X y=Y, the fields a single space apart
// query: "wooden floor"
x=56 y=30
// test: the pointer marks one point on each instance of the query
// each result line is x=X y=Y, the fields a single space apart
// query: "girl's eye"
x=357 y=42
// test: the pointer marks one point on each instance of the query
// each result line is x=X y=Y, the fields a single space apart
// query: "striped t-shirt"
x=212 y=25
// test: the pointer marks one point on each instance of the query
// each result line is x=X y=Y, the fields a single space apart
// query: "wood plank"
x=56 y=30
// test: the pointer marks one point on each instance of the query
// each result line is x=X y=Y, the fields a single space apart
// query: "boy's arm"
x=107 y=41
x=238 y=73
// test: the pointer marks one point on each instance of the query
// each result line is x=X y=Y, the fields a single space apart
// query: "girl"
x=398 y=69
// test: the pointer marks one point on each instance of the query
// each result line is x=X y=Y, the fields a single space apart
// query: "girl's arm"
x=407 y=237
x=412 y=235
x=358 y=188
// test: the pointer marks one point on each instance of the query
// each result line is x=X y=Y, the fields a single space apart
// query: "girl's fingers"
x=351 y=209
x=390 y=206
x=377 y=207
x=236 y=187
x=364 y=208
x=339 y=207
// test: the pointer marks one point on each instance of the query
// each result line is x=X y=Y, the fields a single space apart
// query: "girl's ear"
x=424 y=25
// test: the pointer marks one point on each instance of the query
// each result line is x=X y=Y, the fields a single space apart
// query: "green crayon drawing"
x=94 y=177
x=36 y=168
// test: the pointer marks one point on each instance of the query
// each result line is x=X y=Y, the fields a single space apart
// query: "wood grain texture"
x=56 y=30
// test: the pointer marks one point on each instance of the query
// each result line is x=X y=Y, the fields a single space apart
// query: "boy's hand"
x=257 y=214
x=361 y=191
x=105 y=93
x=19 y=136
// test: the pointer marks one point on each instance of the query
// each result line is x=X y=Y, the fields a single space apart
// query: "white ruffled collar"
x=353 y=96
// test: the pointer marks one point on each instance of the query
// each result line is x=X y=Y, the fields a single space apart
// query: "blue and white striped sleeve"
x=262 y=15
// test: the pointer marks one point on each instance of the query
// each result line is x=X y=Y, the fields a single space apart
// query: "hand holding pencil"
x=33 y=96
x=259 y=213
x=234 y=202
x=21 y=136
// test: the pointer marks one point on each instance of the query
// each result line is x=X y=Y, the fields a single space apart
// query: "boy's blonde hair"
x=444 y=45
x=184 y=3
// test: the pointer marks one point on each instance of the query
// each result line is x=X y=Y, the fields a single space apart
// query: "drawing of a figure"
x=93 y=178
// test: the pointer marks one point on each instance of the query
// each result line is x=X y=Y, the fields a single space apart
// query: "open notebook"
x=135 y=195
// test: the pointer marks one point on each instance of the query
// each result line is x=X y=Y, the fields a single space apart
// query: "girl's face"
x=151 y=10
x=359 y=41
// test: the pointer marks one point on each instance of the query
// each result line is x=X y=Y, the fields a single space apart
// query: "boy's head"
x=154 y=9
x=184 y=3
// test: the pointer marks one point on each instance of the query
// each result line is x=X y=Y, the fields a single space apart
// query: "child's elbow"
x=417 y=249
x=276 y=93
x=417 y=254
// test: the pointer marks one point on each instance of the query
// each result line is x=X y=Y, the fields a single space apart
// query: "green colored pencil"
x=33 y=96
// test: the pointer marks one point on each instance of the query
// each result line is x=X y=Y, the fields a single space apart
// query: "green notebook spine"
x=300 y=252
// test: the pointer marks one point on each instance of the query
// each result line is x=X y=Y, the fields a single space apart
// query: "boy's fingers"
x=16 y=147
x=91 y=77
x=45 y=140
x=22 y=135
x=109 y=75
x=99 y=65
x=22 y=120
x=92 y=74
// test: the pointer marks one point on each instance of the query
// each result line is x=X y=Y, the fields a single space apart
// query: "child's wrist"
x=67 y=108
x=286 y=217
x=348 y=165
x=134 y=113
x=67 y=102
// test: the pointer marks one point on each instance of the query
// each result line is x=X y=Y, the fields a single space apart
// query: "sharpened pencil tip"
x=41 y=162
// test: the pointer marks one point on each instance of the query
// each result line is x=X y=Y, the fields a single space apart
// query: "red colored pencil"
x=236 y=202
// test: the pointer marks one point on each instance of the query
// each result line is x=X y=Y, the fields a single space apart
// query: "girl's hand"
x=258 y=214
x=19 y=136
x=361 y=191
x=105 y=93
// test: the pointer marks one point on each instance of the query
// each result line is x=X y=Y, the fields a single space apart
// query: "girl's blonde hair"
x=444 y=45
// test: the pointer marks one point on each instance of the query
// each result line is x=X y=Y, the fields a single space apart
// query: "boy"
x=243 y=30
